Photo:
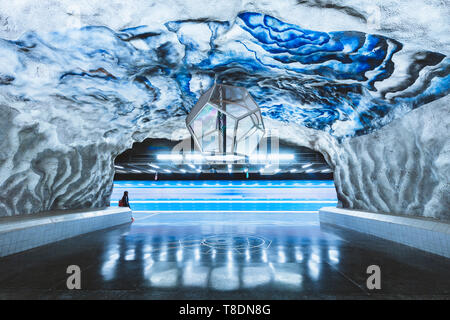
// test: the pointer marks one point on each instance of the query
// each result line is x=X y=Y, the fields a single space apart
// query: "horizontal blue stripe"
x=224 y=183
x=226 y=206
x=227 y=201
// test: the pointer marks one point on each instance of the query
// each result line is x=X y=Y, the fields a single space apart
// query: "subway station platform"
x=24 y=232
x=165 y=256
x=233 y=254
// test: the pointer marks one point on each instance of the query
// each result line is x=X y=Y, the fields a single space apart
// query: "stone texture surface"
x=79 y=83
x=403 y=168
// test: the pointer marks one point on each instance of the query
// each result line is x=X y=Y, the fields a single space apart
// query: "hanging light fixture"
x=226 y=124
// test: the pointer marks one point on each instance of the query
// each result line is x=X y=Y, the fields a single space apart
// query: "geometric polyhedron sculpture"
x=226 y=120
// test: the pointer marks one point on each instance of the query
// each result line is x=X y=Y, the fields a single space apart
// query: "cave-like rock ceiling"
x=344 y=82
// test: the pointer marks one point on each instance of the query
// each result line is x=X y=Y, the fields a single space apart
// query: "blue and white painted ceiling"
x=304 y=68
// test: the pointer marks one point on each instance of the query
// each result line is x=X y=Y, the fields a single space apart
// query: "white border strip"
x=224 y=211
x=230 y=201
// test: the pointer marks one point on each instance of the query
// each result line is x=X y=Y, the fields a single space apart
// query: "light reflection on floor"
x=182 y=256
x=222 y=250
x=225 y=255
x=285 y=253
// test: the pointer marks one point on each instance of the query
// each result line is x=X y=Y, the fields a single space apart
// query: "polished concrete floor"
x=224 y=256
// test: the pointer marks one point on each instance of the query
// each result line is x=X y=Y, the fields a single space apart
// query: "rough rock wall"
x=49 y=161
x=402 y=168
x=73 y=96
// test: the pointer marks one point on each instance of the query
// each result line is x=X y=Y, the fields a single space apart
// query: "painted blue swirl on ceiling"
x=334 y=55
x=346 y=83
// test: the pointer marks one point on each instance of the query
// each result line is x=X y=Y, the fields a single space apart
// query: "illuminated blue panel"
x=229 y=196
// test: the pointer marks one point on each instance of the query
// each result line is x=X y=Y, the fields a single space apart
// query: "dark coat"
x=125 y=201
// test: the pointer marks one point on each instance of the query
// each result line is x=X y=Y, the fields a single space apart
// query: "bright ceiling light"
x=168 y=171
x=271 y=157
x=170 y=157
x=258 y=157
x=293 y=170
x=277 y=170
x=224 y=158
x=119 y=167
x=198 y=170
x=153 y=165
x=281 y=156
x=182 y=171
x=307 y=165
x=325 y=170
x=191 y=165
x=309 y=170
x=194 y=157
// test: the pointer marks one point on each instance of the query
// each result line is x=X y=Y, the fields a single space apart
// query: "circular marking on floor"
x=222 y=243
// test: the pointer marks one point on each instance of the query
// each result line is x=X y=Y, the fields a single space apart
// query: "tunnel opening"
x=159 y=178
x=155 y=158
